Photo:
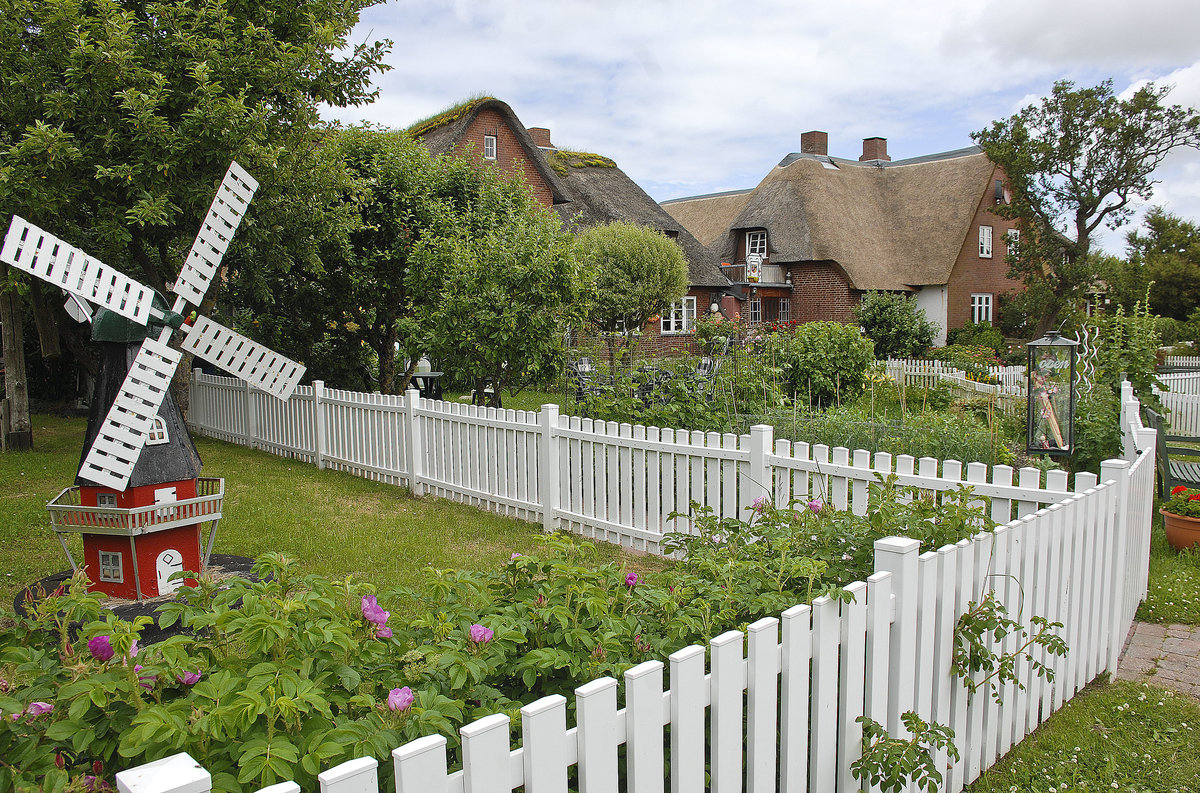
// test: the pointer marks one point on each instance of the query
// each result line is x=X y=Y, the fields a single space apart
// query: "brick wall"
x=508 y=150
x=973 y=274
x=821 y=292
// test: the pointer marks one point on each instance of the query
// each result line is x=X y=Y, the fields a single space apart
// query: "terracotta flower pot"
x=1182 y=532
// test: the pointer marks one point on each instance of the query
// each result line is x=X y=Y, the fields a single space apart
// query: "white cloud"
x=702 y=96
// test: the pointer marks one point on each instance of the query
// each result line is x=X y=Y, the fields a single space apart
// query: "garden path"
x=1165 y=655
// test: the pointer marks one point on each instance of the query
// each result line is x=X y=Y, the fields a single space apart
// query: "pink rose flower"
x=400 y=699
x=480 y=634
x=101 y=648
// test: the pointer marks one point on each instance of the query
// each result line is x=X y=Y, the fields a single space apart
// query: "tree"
x=638 y=272
x=510 y=286
x=1169 y=255
x=1076 y=162
x=893 y=321
x=118 y=119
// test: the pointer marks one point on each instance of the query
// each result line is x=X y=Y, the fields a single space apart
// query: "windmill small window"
x=157 y=434
x=110 y=567
x=106 y=499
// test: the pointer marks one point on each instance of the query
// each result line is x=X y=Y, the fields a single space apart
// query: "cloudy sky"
x=708 y=95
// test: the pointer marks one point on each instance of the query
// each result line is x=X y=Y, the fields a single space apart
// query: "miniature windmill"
x=139 y=474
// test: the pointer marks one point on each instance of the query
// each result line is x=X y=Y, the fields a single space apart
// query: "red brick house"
x=584 y=189
x=819 y=231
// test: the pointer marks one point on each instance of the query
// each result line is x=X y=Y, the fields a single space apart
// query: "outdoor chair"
x=586 y=378
x=1173 y=471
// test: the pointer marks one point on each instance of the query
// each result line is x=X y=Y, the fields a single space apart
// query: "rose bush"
x=286 y=676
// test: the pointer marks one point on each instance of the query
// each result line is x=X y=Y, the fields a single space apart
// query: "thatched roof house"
x=584 y=189
x=828 y=229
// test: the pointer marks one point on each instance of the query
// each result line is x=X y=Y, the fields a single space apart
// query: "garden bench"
x=1173 y=471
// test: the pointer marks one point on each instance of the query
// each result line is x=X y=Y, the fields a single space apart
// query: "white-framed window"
x=985 y=242
x=489 y=147
x=981 y=307
x=157 y=435
x=106 y=499
x=1012 y=242
x=681 y=317
x=110 y=567
x=756 y=242
x=785 y=309
x=754 y=310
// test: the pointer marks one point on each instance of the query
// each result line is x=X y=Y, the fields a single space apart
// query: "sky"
x=705 y=96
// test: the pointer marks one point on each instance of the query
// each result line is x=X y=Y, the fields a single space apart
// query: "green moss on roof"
x=447 y=116
x=562 y=159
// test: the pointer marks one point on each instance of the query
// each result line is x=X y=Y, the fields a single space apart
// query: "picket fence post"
x=251 y=415
x=762 y=443
x=179 y=773
x=318 y=387
x=1118 y=472
x=412 y=448
x=898 y=556
x=193 y=392
x=548 y=466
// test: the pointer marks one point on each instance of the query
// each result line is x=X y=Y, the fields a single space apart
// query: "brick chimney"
x=815 y=142
x=874 y=149
x=541 y=137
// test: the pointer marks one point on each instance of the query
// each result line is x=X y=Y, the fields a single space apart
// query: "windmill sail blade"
x=242 y=358
x=41 y=254
x=77 y=309
x=228 y=207
x=121 y=437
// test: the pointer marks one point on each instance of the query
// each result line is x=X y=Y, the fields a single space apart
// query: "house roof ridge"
x=741 y=191
x=966 y=151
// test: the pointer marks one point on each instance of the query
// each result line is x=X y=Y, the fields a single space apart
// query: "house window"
x=754 y=310
x=110 y=567
x=1012 y=240
x=785 y=309
x=985 y=242
x=106 y=499
x=681 y=317
x=489 y=147
x=756 y=242
x=981 y=308
x=157 y=435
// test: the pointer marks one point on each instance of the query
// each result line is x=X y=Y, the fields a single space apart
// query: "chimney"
x=815 y=142
x=541 y=137
x=874 y=149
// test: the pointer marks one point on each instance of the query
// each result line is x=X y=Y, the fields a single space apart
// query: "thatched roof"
x=444 y=132
x=889 y=225
x=600 y=192
x=708 y=217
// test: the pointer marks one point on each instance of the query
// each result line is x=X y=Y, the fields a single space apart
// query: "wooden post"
x=1118 y=472
x=548 y=466
x=318 y=387
x=251 y=415
x=19 y=430
x=762 y=441
x=898 y=556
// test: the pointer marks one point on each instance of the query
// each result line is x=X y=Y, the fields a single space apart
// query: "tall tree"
x=118 y=118
x=1075 y=162
x=1168 y=254
x=638 y=272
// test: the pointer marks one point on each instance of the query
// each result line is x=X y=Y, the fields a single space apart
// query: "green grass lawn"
x=334 y=523
x=1173 y=593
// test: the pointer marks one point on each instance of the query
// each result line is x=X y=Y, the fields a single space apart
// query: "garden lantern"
x=1050 y=418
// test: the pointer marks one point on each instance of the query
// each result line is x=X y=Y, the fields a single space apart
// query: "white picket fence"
x=786 y=694
x=919 y=372
x=1182 y=360
x=614 y=482
x=1182 y=401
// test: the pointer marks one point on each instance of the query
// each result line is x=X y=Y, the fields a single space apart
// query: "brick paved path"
x=1165 y=655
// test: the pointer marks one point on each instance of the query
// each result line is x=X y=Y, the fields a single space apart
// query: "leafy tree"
x=1169 y=255
x=117 y=119
x=638 y=272
x=1075 y=162
x=893 y=321
x=509 y=287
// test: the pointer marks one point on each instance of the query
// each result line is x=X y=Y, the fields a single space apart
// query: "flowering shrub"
x=282 y=678
x=1183 y=501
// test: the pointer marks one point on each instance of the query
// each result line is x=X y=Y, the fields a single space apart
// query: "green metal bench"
x=1172 y=470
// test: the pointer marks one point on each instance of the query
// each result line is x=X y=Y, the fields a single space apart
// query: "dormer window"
x=756 y=242
x=489 y=147
x=157 y=435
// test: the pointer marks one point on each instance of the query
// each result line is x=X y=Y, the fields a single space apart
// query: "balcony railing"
x=769 y=273
x=68 y=515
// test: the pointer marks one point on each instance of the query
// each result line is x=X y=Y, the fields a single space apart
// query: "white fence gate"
x=785 y=695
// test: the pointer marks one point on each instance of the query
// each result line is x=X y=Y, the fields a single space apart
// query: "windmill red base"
x=134 y=540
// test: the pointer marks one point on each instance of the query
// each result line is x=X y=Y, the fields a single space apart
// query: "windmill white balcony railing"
x=68 y=515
